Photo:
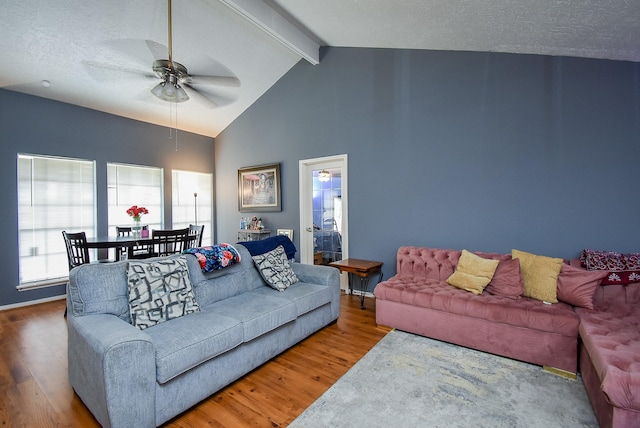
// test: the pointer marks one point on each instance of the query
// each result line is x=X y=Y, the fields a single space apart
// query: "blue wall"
x=482 y=151
x=39 y=126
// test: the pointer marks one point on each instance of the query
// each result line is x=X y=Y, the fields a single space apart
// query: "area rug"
x=413 y=381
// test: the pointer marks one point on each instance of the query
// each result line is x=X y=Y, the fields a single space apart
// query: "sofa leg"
x=560 y=372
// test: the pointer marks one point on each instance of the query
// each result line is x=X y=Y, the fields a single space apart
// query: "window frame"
x=191 y=202
x=155 y=218
x=54 y=249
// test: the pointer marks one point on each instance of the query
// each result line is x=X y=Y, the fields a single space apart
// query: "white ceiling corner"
x=274 y=24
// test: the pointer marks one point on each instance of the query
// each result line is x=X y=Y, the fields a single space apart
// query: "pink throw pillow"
x=577 y=286
x=507 y=280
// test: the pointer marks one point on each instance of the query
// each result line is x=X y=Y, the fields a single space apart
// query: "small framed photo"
x=286 y=232
x=259 y=188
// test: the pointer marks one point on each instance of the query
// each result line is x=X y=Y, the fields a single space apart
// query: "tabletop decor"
x=136 y=213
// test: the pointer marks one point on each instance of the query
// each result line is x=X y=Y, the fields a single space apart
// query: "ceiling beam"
x=266 y=18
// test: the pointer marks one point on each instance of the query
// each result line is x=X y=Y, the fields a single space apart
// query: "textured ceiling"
x=97 y=54
x=587 y=28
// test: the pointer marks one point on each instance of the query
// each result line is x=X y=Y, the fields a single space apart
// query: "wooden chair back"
x=77 y=250
x=196 y=231
x=167 y=242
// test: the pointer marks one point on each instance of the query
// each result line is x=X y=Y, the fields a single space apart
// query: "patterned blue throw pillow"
x=215 y=257
x=275 y=269
x=159 y=291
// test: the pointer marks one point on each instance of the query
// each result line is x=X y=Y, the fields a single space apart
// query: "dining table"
x=120 y=243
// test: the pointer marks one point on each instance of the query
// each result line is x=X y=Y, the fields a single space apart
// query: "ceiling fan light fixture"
x=324 y=175
x=157 y=90
x=181 y=94
x=170 y=90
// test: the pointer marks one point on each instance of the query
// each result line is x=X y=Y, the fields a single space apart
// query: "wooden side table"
x=362 y=269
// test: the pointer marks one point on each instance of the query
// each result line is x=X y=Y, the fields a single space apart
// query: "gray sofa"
x=131 y=377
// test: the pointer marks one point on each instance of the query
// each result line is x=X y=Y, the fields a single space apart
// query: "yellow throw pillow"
x=473 y=273
x=540 y=275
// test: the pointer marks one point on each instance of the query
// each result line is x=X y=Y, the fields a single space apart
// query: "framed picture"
x=286 y=232
x=259 y=188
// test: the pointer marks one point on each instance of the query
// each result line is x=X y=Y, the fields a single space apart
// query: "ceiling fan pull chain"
x=176 y=127
x=170 y=120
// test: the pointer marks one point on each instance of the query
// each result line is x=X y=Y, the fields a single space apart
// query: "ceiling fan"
x=175 y=83
x=174 y=77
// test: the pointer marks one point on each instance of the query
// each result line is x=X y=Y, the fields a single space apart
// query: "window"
x=189 y=209
x=129 y=185
x=54 y=194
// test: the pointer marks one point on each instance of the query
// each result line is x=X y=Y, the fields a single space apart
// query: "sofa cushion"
x=602 y=260
x=305 y=296
x=159 y=291
x=610 y=337
x=189 y=341
x=275 y=269
x=99 y=288
x=577 y=286
x=540 y=275
x=217 y=285
x=525 y=312
x=622 y=268
x=473 y=272
x=432 y=263
x=507 y=280
x=257 y=312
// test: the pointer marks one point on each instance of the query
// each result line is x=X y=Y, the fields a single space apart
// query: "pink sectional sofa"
x=610 y=352
x=600 y=325
x=419 y=300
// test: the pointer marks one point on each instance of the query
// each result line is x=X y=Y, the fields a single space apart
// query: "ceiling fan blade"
x=206 y=99
x=199 y=79
x=136 y=51
x=103 y=71
x=158 y=50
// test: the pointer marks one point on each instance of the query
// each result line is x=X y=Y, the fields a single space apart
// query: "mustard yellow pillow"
x=540 y=275
x=473 y=273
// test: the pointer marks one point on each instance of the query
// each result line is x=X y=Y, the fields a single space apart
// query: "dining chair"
x=197 y=231
x=167 y=242
x=77 y=250
x=135 y=251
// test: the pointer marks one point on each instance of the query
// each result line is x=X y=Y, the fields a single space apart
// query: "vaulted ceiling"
x=99 y=54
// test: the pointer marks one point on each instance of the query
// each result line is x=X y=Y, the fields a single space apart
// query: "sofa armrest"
x=316 y=274
x=322 y=275
x=621 y=388
x=112 y=368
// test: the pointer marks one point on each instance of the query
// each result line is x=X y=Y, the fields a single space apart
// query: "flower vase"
x=136 y=228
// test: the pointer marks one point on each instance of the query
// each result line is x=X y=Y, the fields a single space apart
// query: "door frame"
x=305 y=170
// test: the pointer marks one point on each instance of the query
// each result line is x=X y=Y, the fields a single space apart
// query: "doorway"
x=323 y=210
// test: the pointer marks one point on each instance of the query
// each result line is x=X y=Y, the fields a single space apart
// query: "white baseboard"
x=32 y=302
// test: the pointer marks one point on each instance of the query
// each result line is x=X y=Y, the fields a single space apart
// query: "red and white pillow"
x=621 y=268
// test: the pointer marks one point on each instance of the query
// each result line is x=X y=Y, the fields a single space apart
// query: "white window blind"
x=189 y=209
x=129 y=185
x=54 y=194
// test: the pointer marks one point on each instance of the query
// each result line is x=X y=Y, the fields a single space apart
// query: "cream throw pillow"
x=540 y=275
x=473 y=273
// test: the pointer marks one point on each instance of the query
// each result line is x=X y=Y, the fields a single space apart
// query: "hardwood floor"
x=35 y=390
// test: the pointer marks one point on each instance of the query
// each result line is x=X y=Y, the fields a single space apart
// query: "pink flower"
x=136 y=211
